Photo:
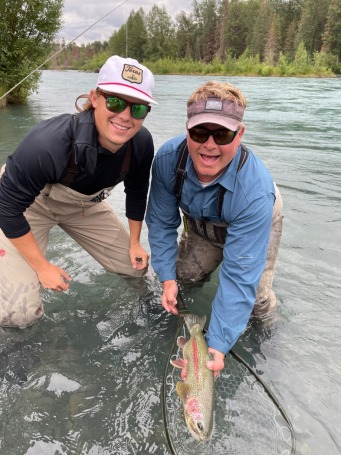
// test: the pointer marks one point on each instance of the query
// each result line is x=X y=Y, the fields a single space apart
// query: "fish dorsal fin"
x=182 y=390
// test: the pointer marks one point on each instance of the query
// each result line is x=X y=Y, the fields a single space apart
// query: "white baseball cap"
x=126 y=77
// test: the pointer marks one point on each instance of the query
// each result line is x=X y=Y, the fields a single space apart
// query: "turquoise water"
x=87 y=378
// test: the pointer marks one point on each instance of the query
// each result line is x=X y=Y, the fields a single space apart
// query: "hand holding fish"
x=217 y=361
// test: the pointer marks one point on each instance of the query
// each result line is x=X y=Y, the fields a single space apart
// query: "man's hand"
x=52 y=277
x=139 y=257
x=217 y=362
x=169 y=298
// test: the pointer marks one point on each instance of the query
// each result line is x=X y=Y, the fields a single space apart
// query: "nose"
x=126 y=113
x=210 y=143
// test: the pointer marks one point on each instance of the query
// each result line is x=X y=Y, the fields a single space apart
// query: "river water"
x=86 y=379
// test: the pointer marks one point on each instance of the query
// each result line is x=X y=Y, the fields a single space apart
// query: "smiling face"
x=114 y=129
x=210 y=159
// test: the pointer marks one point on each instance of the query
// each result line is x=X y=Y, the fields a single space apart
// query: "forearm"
x=29 y=249
x=134 y=232
x=50 y=276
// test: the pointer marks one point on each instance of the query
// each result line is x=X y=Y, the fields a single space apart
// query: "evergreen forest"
x=218 y=37
x=245 y=37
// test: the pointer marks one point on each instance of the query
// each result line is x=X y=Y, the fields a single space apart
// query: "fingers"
x=183 y=374
x=54 y=278
x=170 y=307
x=169 y=297
x=216 y=363
x=139 y=258
x=140 y=263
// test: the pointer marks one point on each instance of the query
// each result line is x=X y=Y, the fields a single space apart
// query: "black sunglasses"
x=221 y=137
x=117 y=105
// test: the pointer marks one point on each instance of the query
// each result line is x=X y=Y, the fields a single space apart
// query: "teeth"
x=120 y=127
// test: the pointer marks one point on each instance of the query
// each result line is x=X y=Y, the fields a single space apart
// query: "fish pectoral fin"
x=182 y=390
x=178 y=362
x=182 y=341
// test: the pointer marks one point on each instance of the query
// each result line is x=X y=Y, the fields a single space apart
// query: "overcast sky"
x=78 y=15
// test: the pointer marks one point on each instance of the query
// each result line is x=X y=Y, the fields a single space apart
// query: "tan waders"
x=93 y=225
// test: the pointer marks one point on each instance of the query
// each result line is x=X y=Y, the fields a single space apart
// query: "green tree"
x=207 y=29
x=302 y=59
x=234 y=28
x=312 y=24
x=272 y=46
x=289 y=46
x=332 y=32
x=117 y=41
x=260 y=28
x=289 y=12
x=136 y=35
x=28 y=29
x=185 y=32
x=160 y=41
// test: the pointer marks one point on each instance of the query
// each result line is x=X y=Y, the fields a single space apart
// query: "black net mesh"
x=247 y=417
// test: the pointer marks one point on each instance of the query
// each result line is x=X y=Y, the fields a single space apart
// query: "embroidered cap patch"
x=214 y=105
x=132 y=74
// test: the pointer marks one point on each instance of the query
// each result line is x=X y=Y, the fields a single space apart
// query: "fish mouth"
x=197 y=429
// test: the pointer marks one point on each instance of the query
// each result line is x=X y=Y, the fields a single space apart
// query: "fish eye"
x=200 y=426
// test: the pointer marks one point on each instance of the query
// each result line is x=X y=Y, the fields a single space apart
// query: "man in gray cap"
x=232 y=215
x=61 y=174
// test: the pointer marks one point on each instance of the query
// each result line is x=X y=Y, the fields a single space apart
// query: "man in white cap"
x=61 y=174
x=232 y=215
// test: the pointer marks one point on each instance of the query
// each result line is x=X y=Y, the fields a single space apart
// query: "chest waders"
x=212 y=232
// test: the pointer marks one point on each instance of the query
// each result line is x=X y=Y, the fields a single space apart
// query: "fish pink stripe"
x=195 y=352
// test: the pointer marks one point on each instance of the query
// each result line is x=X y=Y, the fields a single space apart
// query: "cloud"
x=78 y=16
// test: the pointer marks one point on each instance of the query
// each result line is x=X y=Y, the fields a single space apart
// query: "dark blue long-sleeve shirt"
x=43 y=156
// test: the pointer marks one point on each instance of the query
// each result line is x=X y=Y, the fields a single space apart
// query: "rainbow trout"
x=197 y=390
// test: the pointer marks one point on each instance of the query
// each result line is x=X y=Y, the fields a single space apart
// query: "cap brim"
x=119 y=89
x=223 y=121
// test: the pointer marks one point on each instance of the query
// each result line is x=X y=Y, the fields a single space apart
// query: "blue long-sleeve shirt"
x=247 y=209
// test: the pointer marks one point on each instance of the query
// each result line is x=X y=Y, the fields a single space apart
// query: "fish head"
x=199 y=423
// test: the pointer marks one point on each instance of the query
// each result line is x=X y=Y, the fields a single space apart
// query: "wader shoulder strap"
x=222 y=191
x=126 y=163
x=183 y=153
x=73 y=168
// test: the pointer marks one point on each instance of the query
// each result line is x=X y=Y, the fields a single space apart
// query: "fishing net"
x=247 y=417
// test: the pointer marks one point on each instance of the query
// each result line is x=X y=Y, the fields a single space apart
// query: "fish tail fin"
x=192 y=319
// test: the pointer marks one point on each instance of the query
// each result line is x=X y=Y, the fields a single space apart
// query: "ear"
x=93 y=96
x=242 y=130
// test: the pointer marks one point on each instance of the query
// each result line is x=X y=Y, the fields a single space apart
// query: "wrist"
x=168 y=283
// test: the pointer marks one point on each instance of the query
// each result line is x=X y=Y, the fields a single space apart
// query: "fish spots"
x=2 y=252
x=196 y=360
